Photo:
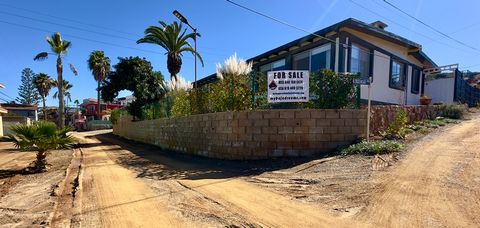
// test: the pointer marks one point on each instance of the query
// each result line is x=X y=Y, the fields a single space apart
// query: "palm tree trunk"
x=44 y=109
x=61 y=102
x=41 y=162
x=98 y=101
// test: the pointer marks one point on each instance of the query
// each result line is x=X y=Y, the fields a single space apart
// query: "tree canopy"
x=27 y=92
x=136 y=75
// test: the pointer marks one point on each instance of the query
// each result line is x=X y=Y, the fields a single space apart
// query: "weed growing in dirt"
x=396 y=129
x=373 y=147
x=454 y=111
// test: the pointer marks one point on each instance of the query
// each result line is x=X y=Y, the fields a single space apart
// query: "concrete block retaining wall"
x=250 y=134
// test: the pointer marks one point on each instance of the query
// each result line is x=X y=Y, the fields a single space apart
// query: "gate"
x=464 y=92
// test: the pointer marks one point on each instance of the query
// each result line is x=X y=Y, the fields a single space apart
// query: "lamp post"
x=1 y=86
x=185 y=21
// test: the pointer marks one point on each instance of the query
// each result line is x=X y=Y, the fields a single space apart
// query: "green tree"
x=174 y=41
x=134 y=74
x=99 y=64
x=66 y=90
x=27 y=92
x=41 y=137
x=44 y=84
x=59 y=48
x=333 y=90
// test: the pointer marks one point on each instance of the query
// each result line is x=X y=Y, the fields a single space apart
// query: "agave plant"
x=41 y=137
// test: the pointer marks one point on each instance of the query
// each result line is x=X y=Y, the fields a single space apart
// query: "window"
x=360 y=61
x=313 y=60
x=397 y=72
x=415 y=81
x=277 y=65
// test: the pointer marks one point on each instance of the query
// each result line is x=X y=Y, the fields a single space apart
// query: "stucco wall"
x=250 y=134
x=13 y=120
x=441 y=90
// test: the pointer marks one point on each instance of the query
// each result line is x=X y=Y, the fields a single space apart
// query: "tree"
x=99 y=64
x=66 y=90
x=59 y=48
x=44 y=84
x=41 y=137
x=174 y=41
x=27 y=92
x=134 y=74
x=76 y=102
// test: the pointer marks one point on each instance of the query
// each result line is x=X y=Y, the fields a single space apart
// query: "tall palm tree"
x=174 y=41
x=44 y=84
x=66 y=90
x=99 y=64
x=59 y=48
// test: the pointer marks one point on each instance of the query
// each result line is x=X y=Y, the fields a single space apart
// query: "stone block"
x=332 y=114
x=317 y=114
x=285 y=130
x=277 y=122
x=323 y=122
x=287 y=114
x=254 y=115
x=302 y=114
x=269 y=130
x=271 y=114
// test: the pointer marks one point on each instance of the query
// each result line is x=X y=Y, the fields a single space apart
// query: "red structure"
x=91 y=108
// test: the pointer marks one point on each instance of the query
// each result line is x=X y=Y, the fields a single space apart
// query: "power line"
x=301 y=29
x=4 y=94
x=403 y=26
x=434 y=29
x=66 y=19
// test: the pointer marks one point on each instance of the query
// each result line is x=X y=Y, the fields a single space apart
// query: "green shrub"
x=181 y=104
x=333 y=90
x=454 y=111
x=373 y=147
x=117 y=114
x=394 y=129
x=424 y=130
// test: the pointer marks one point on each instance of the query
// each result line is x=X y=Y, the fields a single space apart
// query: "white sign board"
x=288 y=86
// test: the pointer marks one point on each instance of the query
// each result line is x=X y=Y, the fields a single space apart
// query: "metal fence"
x=464 y=92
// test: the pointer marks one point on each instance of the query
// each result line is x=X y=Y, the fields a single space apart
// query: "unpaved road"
x=436 y=185
x=128 y=184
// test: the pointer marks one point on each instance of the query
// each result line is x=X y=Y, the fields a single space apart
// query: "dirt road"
x=437 y=185
x=130 y=184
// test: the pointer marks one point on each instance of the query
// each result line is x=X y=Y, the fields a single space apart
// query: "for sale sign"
x=288 y=86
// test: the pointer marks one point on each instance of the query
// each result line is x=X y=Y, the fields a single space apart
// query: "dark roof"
x=350 y=23
x=18 y=106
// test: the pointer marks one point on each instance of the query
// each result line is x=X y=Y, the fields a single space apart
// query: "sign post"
x=288 y=86
x=368 y=110
x=363 y=81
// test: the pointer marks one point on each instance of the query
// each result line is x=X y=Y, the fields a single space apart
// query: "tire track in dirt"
x=112 y=196
x=437 y=184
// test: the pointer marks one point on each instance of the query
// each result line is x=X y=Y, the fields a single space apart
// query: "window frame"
x=270 y=65
x=401 y=74
x=327 y=47
x=417 y=82
x=369 y=59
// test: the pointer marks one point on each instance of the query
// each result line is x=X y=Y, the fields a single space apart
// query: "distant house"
x=394 y=63
x=2 y=112
x=90 y=105
x=28 y=111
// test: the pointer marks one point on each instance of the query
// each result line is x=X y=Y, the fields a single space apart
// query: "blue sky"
x=225 y=29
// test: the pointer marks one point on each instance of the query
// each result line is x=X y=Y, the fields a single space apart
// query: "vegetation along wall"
x=250 y=134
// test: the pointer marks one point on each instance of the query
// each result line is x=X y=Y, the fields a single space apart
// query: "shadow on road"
x=155 y=163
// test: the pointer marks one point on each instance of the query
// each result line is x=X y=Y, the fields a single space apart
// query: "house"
x=2 y=111
x=394 y=63
x=27 y=111
x=90 y=105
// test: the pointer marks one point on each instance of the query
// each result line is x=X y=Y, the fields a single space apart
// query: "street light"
x=185 y=21
x=1 y=85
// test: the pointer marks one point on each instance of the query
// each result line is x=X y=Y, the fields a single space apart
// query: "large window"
x=313 y=60
x=415 y=81
x=360 y=61
x=397 y=75
x=277 y=65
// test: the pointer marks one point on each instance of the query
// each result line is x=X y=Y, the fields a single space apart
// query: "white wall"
x=1 y=126
x=380 y=91
x=412 y=99
x=440 y=90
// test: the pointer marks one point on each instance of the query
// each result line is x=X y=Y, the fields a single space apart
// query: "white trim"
x=337 y=51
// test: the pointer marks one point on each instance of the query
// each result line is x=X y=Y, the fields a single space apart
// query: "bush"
x=117 y=114
x=181 y=104
x=454 y=111
x=373 y=147
x=395 y=129
x=333 y=91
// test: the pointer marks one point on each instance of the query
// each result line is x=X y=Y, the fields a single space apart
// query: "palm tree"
x=174 y=41
x=66 y=90
x=44 y=84
x=99 y=64
x=41 y=136
x=59 y=48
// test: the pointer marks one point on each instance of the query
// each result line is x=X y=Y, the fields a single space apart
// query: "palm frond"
x=41 y=56
x=73 y=69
